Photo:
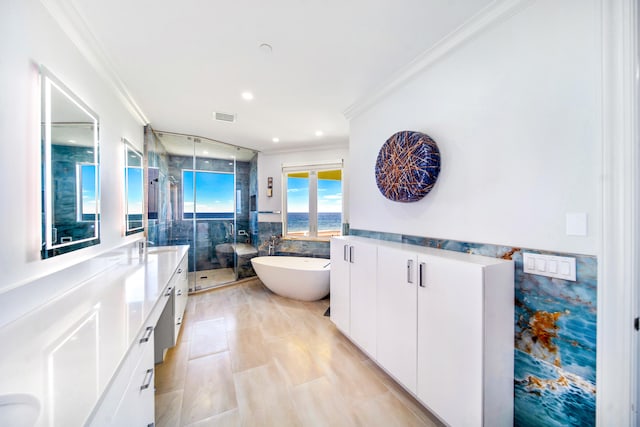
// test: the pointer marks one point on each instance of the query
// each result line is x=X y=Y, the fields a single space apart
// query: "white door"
x=339 y=284
x=363 y=259
x=397 y=314
x=450 y=364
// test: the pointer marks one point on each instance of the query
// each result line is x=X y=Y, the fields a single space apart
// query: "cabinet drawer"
x=113 y=398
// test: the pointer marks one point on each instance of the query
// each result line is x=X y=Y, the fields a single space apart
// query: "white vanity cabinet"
x=170 y=321
x=443 y=322
x=129 y=400
x=353 y=290
x=181 y=295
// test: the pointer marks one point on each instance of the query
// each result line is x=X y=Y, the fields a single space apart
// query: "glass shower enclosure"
x=198 y=193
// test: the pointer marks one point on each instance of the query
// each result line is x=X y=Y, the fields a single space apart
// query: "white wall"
x=28 y=37
x=516 y=112
x=270 y=165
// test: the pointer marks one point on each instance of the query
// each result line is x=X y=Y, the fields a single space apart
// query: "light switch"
x=549 y=265
x=531 y=263
x=576 y=224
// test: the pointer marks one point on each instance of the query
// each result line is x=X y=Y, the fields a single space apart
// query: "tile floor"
x=247 y=357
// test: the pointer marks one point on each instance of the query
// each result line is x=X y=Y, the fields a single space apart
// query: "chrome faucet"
x=272 y=245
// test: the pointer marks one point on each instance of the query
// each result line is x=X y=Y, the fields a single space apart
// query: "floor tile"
x=209 y=389
x=168 y=408
x=208 y=337
x=264 y=398
x=248 y=357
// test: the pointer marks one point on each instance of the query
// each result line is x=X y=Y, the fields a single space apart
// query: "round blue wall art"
x=407 y=167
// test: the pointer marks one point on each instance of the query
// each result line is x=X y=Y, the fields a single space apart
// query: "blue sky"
x=88 y=182
x=214 y=191
x=329 y=195
x=134 y=191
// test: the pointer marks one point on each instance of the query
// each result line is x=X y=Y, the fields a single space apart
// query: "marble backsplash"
x=293 y=247
x=555 y=335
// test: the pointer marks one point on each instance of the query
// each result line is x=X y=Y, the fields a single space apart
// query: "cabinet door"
x=137 y=405
x=397 y=314
x=450 y=343
x=363 y=257
x=339 y=284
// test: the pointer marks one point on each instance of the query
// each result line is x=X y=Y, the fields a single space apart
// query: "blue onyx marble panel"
x=308 y=248
x=555 y=335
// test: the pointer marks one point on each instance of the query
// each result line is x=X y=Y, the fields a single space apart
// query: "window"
x=208 y=195
x=313 y=201
x=86 y=182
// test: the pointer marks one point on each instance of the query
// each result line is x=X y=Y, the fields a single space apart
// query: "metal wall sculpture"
x=407 y=167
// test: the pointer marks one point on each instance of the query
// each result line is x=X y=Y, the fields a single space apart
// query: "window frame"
x=313 y=170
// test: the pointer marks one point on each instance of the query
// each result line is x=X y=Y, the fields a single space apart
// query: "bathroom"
x=529 y=104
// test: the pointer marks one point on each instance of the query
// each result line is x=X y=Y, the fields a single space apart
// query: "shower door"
x=207 y=206
x=209 y=191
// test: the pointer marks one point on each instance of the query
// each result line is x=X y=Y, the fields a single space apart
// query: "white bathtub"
x=304 y=279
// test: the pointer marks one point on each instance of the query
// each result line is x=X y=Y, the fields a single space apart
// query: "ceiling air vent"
x=224 y=117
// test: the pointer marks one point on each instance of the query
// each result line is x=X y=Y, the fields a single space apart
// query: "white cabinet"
x=340 y=286
x=181 y=294
x=137 y=407
x=397 y=314
x=443 y=320
x=129 y=400
x=168 y=327
x=465 y=339
x=353 y=279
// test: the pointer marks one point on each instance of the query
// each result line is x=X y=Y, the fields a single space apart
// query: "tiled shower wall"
x=555 y=335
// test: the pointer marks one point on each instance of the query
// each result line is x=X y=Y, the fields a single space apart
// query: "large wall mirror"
x=70 y=170
x=133 y=189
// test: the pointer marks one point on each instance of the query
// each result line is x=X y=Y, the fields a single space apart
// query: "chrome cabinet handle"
x=147 y=334
x=179 y=322
x=344 y=256
x=148 y=376
x=421 y=272
x=169 y=290
x=179 y=270
x=179 y=292
x=410 y=271
x=352 y=251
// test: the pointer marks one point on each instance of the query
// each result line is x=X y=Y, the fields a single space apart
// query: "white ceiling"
x=182 y=60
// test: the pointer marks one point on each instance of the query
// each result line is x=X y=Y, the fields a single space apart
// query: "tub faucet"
x=272 y=245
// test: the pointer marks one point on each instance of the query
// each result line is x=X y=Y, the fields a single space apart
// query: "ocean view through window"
x=313 y=201
x=213 y=197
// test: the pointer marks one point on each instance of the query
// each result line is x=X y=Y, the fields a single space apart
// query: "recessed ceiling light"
x=276 y=139
x=319 y=133
x=247 y=96
x=73 y=141
x=205 y=152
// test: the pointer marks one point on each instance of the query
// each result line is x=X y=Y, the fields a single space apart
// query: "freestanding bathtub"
x=304 y=279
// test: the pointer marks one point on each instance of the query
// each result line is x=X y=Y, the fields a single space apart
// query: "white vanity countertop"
x=66 y=352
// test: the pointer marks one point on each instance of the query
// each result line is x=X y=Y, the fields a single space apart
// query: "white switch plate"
x=576 y=224
x=550 y=265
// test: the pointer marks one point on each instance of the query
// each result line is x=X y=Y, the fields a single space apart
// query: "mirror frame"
x=49 y=82
x=129 y=149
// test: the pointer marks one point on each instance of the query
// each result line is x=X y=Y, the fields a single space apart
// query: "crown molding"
x=492 y=14
x=76 y=28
